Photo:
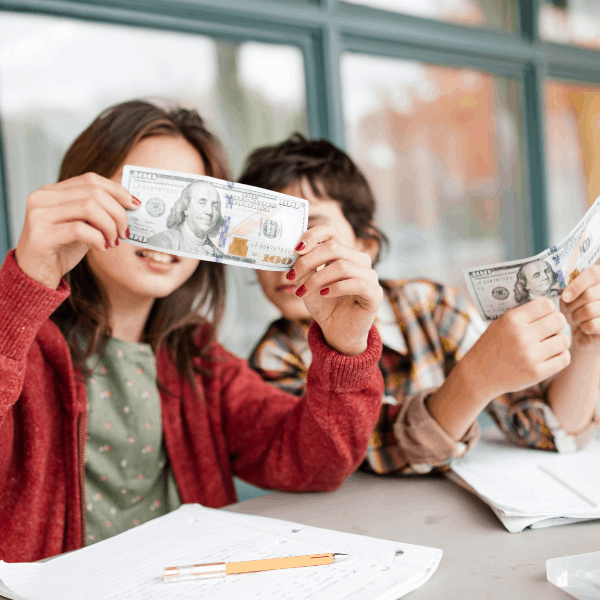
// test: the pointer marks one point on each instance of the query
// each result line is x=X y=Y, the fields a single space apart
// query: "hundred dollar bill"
x=211 y=219
x=499 y=287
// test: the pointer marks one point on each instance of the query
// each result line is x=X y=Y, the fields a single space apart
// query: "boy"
x=441 y=366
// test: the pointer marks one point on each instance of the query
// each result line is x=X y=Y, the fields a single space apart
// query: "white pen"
x=546 y=470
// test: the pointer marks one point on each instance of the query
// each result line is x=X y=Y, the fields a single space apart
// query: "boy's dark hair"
x=327 y=169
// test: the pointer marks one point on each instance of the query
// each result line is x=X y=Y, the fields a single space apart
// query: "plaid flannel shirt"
x=426 y=328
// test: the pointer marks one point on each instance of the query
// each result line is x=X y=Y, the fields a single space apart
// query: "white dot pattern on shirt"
x=125 y=412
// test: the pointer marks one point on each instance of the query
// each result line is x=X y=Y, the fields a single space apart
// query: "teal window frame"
x=325 y=29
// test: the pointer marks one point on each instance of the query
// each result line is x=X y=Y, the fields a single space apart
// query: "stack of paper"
x=532 y=488
x=131 y=564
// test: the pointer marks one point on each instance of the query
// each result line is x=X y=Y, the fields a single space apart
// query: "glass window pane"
x=441 y=148
x=574 y=22
x=57 y=74
x=490 y=14
x=572 y=131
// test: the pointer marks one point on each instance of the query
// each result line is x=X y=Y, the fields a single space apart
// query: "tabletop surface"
x=481 y=558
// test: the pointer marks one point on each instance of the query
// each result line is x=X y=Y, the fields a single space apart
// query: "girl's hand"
x=64 y=220
x=583 y=309
x=343 y=296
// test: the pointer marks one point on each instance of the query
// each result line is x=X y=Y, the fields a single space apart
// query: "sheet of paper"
x=582 y=476
x=511 y=479
x=131 y=565
x=348 y=543
x=8 y=594
x=517 y=524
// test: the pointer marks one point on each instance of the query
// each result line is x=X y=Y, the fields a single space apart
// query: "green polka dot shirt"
x=128 y=479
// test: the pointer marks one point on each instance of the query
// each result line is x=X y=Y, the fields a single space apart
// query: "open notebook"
x=130 y=565
x=532 y=488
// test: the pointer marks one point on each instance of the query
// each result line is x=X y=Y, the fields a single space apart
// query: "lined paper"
x=131 y=564
x=348 y=543
x=510 y=478
x=582 y=476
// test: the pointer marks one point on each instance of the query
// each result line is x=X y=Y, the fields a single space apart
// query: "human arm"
x=24 y=306
x=56 y=234
x=311 y=443
x=573 y=395
x=518 y=350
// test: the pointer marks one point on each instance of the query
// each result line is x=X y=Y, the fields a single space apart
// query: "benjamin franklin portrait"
x=536 y=279
x=195 y=216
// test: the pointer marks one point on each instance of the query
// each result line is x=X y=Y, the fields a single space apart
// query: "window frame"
x=324 y=30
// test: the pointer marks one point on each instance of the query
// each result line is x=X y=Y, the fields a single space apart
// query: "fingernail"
x=127 y=232
x=301 y=291
x=136 y=201
x=291 y=275
x=324 y=291
x=567 y=296
x=300 y=247
x=117 y=241
x=106 y=245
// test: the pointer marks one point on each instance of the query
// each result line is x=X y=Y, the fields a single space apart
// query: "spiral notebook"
x=130 y=565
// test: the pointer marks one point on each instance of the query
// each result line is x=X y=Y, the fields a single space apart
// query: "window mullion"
x=536 y=158
x=528 y=13
x=332 y=98
x=5 y=237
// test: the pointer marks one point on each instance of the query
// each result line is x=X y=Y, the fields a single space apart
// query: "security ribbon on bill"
x=499 y=287
x=210 y=219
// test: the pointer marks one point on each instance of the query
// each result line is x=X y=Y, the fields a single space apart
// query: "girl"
x=104 y=355
x=432 y=401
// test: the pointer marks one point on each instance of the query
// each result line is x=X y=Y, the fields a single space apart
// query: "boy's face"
x=274 y=284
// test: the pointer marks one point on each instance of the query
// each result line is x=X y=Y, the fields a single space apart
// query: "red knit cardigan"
x=241 y=425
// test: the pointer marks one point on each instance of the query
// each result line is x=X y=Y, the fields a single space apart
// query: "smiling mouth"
x=159 y=257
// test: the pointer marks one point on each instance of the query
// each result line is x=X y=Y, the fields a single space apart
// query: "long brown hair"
x=176 y=320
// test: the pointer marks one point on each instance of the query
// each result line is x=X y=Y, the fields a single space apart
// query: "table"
x=481 y=559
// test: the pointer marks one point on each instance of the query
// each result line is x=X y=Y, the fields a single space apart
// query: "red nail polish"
x=127 y=232
x=301 y=291
x=324 y=291
x=117 y=241
x=300 y=247
x=291 y=275
x=106 y=245
x=136 y=201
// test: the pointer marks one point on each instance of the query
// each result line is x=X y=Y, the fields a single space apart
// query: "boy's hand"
x=343 y=296
x=580 y=302
x=520 y=349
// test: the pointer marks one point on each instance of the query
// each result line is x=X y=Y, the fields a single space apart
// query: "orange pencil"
x=219 y=570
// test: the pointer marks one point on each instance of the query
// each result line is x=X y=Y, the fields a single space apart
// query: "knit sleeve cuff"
x=25 y=305
x=338 y=372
